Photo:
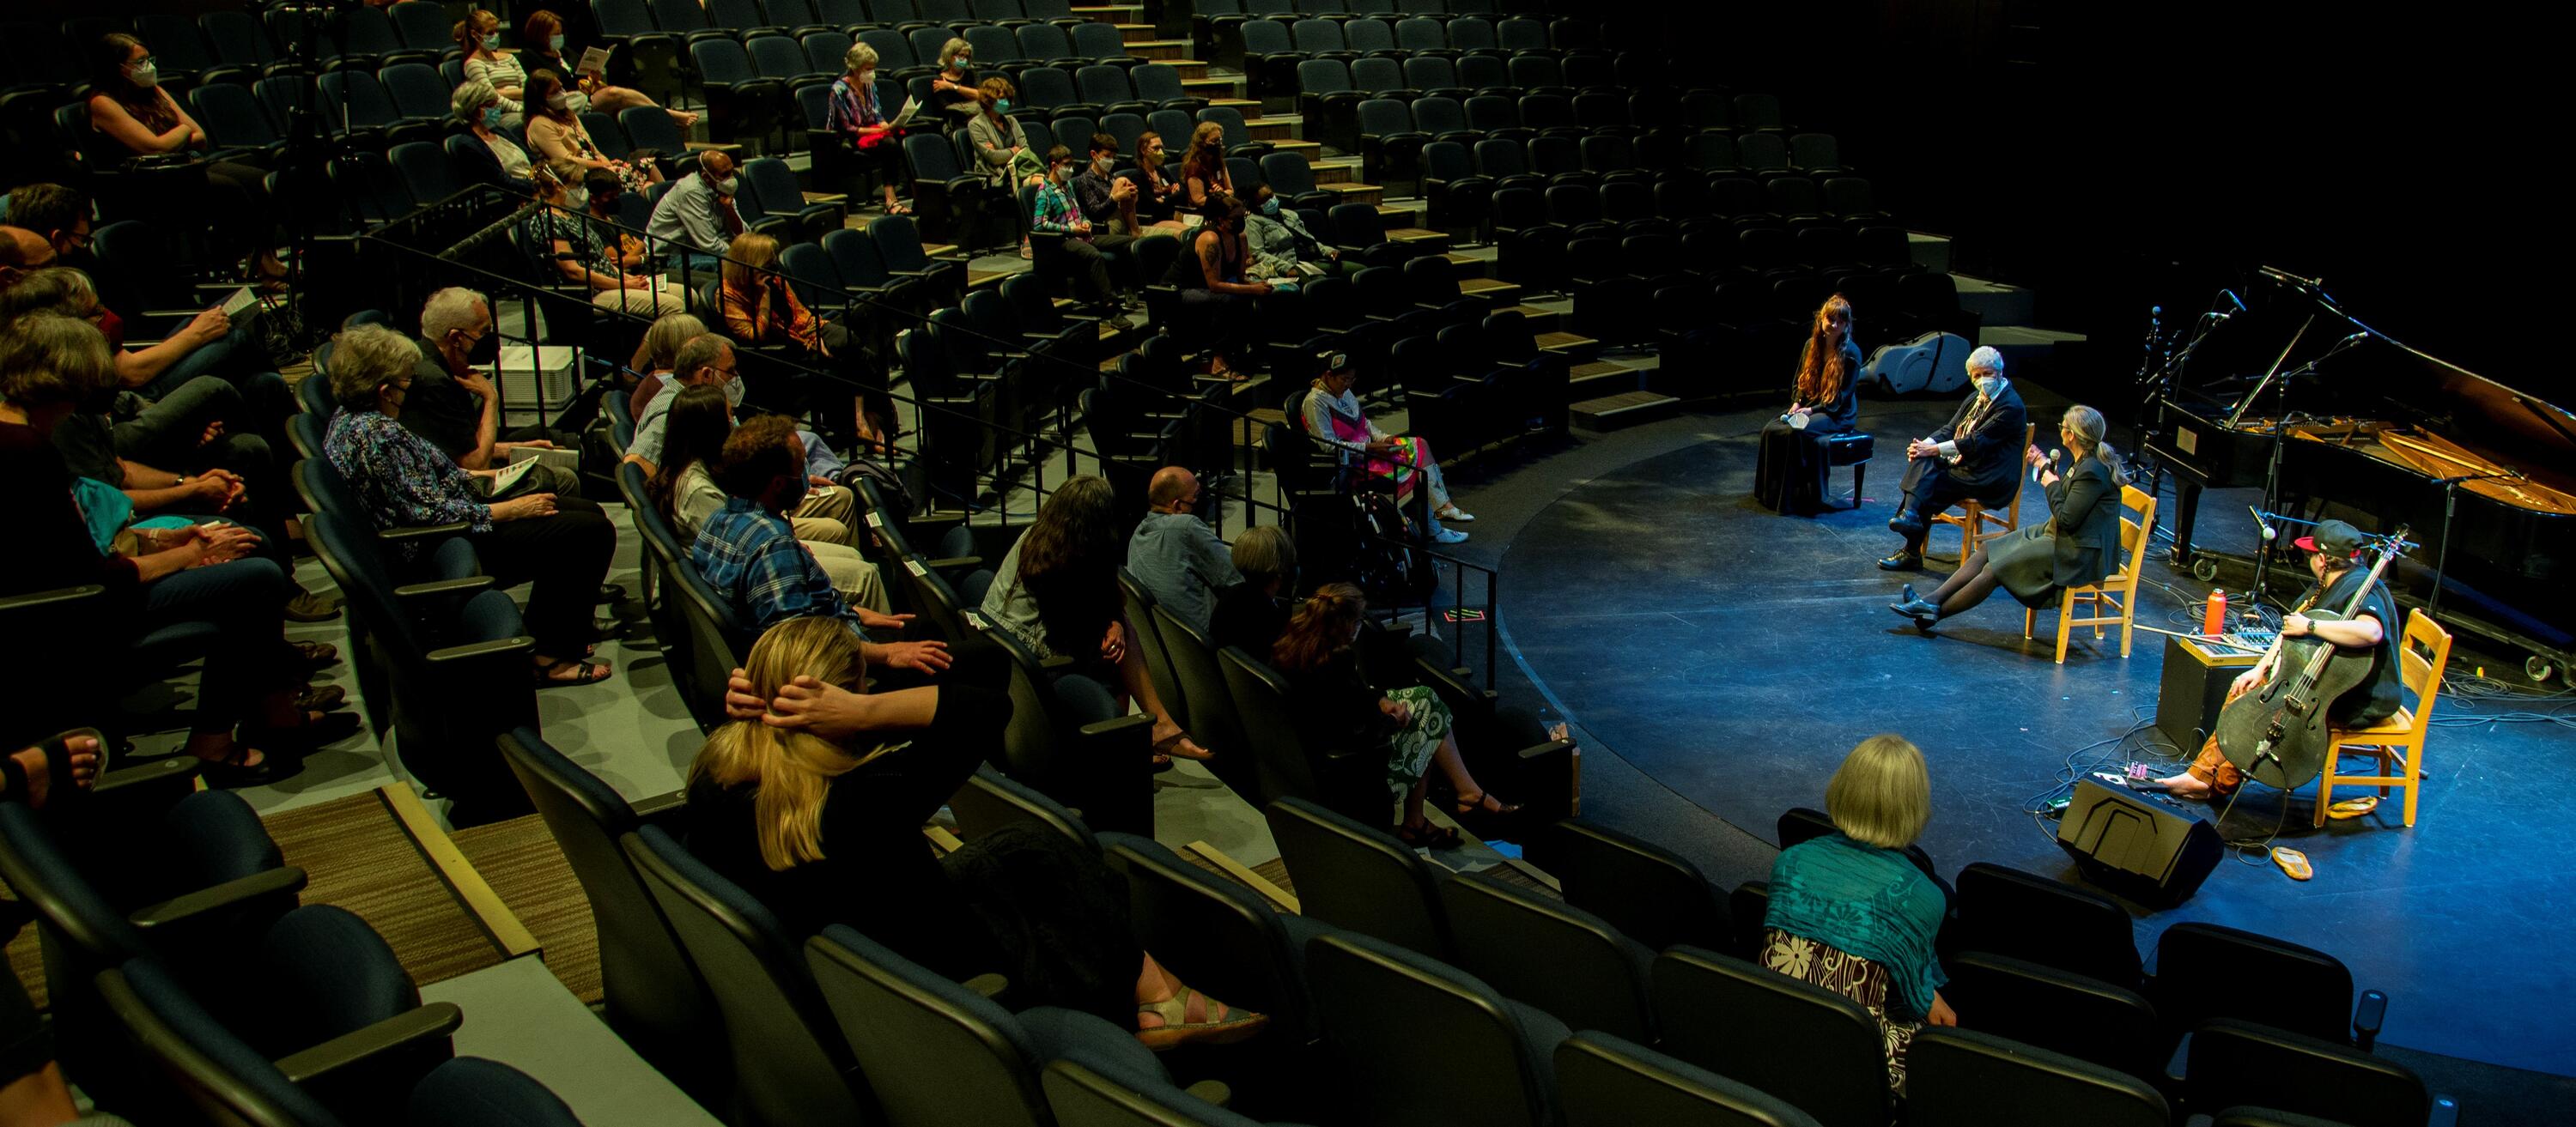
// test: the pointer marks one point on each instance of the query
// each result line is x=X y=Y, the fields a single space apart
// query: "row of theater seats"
x=185 y=981
x=1275 y=57
x=1221 y=29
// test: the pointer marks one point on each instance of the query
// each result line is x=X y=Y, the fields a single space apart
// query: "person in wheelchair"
x=1333 y=418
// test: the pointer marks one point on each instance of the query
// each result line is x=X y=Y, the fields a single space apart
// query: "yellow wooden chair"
x=2115 y=598
x=2395 y=746
x=1973 y=518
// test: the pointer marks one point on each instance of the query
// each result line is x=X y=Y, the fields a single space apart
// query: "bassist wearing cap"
x=2367 y=634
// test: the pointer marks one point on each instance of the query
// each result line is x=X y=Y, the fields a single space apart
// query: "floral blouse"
x=402 y=480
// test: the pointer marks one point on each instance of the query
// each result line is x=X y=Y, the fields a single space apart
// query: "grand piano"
x=2378 y=433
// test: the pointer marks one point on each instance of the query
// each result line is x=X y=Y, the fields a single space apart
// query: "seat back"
x=933 y=1051
x=1963 y=1077
x=1559 y=958
x=1214 y=719
x=1607 y=1081
x=1148 y=632
x=991 y=800
x=1651 y=894
x=2051 y=1009
x=1214 y=933
x=1812 y=1047
x=652 y=994
x=2201 y=969
x=1084 y=1095
x=2237 y=1063
x=790 y=1063
x=1357 y=877
x=214 y=1068
x=2009 y=912
x=2422 y=656
x=1486 y=1066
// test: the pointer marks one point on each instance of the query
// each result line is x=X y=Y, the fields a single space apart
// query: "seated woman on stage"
x=1335 y=707
x=2080 y=543
x=812 y=799
x=1789 y=476
x=1851 y=913
x=1334 y=418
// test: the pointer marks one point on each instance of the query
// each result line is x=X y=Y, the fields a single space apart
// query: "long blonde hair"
x=792 y=771
x=2089 y=428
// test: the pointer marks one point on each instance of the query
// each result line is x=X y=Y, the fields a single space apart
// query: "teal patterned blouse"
x=1863 y=901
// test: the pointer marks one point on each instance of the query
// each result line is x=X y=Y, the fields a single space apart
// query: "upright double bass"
x=2277 y=733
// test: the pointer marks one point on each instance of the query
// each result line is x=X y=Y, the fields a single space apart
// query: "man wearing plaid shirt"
x=749 y=553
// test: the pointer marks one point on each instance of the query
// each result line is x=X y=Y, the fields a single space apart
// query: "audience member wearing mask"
x=1976 y=455
x=1086 y=242
x=1157 y=195
x=1203 y=171
x=556 y=131
x=1002 y=154
x=1210 y=275
x=451 y=402
x=696 y=219
x=541 y=41
x=482 y=115
x=952 y=90
x=1280 y=242
x=854 y=113
x=130 y=110
x=479 y=36
x=1175 y=554
x=572 y=245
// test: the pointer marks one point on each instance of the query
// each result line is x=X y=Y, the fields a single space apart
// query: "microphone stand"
x=2450 y=506
x=2280 y=440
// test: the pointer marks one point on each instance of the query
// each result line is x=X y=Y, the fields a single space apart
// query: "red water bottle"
x=2213 y=622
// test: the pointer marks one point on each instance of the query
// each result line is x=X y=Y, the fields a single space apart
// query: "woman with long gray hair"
x=2079 y=543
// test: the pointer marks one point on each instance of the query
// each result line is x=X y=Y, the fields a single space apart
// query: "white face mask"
x=146 y=74
x=726 y=186
x=733 y=391
x=577 y=198
x=559 y=102
x=1990 y=386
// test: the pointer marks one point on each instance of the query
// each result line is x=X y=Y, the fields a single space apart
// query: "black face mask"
x=486 y=350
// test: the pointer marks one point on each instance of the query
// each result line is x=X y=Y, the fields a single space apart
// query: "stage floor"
x=1734 y=656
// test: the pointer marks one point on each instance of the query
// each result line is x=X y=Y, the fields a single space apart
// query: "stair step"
x=1995 y=303
x=1416 y=235
x=1352 y=193
x=1136 y=32
x=1601 y=377
x=1541 y=321
x=1213 y=88
x=1335 y=170
x=1173 y=51
x=1495 y=290
x=1250 y=108
x=1274 y=129
x=1569 y=343
x=1932 y=252
x=1112 y=13
x=1625 y=409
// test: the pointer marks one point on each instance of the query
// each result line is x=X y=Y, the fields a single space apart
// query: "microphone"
x=2269 y=533
x=2231 y=296
x=2219 y=316
x=2054 y=456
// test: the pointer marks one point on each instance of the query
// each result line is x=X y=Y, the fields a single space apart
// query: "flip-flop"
x=592 y=673
x=2292 y=862
x=2353 y=807
x=1171 y=746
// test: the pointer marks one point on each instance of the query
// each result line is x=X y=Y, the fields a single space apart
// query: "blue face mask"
x=1270 y=206
x=492 y=116
x=1001 y=105
x=1990 y=385
x=555 y=43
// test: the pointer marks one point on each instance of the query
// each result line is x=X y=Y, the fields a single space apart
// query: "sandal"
x=897 y=209
x=585 y=673
x=60 y=774
x=1234 y=1025
x=1485 y=804
x=236 y=769
x=1171 y=746
x=316 y=654
x=1428 y=835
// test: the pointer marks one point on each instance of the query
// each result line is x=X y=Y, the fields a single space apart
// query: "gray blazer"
x=992 y=148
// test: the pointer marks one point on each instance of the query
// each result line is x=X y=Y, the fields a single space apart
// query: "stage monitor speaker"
x=2195 y=686
x=2136 y=849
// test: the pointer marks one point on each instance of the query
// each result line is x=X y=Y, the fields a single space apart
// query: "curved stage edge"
x=1734 y=656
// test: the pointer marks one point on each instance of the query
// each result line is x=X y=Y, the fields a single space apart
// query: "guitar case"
x=1935 y=361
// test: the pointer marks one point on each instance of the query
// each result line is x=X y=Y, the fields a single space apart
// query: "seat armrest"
x=180 y=909
x=59 y=596
x=471 y=650
x=661 y=809
x=175 y=770
x=432 y=1022
x=2367 y=1018
x=422 y=531
x=438 y=587
x=953 y=563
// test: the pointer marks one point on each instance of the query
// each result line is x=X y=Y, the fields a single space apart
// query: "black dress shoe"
x=1902 y=561
x=1906 y=524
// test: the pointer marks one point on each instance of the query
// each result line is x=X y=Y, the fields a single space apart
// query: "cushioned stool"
x=1854 y=450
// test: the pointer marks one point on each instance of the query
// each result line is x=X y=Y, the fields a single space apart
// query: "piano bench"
x=1851 y=449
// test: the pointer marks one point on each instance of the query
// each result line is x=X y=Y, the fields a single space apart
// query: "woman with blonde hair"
x=1852 y=913
x=854 y=111
x=1203 y=171
x=1336 y=708
x=2079 y=544
x=479 y=36
x=820 y=821
x=762 y=311
x=1002 y=153
x=1789 y=473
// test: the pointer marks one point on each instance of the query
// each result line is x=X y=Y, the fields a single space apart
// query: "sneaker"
x=1449 y=536
x=1455 y=515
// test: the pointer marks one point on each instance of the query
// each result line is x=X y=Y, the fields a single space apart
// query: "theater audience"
x=541 y=41
x=853 y=112
x=1209 y=272
x=1336 y=708
x=129 y=107
x=1251 y=614
x=253 y=713
x=696 y=220
x=1175 y=554
x=748 y=552
x=454 y=406
x=1850 y=911
x=761 y=310
x=574 y=247
x=1334 y=418
x=1088 y=240
x=687 y=494
x=479 y=36
x=1789 y=475
x=208 y=345
x=556 y=131
x=813 y=797
x=1158 y=196
x=1203 y=171
x=1281 y=244
x=497 y=160
x=558 y=545
x=1057 y=592
x=1002 y=153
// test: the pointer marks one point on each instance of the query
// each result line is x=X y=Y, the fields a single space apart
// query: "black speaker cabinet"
x=2136 y=849
x=2195 y=685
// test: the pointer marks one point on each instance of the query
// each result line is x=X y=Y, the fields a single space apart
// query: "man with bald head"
x=696 y=219
x=1175 y=555
x=21 y=250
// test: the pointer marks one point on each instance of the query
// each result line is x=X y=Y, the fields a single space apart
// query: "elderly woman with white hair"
x=1975 y=457
x=855 y=112
x=483 y=113
x=558 y=545
x=2077 y=545
x=1851 y=912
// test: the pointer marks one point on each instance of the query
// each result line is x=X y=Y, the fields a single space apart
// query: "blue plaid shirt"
x=751 y=557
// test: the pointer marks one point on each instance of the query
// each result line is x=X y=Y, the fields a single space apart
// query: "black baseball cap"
x=2332 y=537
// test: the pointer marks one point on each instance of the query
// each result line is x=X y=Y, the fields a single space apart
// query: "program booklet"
x=594 y=61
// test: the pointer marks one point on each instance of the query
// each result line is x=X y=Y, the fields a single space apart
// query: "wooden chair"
x=1974 y=517
x=2395 y=745
x=2115 y=598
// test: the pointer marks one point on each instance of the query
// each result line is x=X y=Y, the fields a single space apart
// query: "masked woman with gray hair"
x=2079 y=544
